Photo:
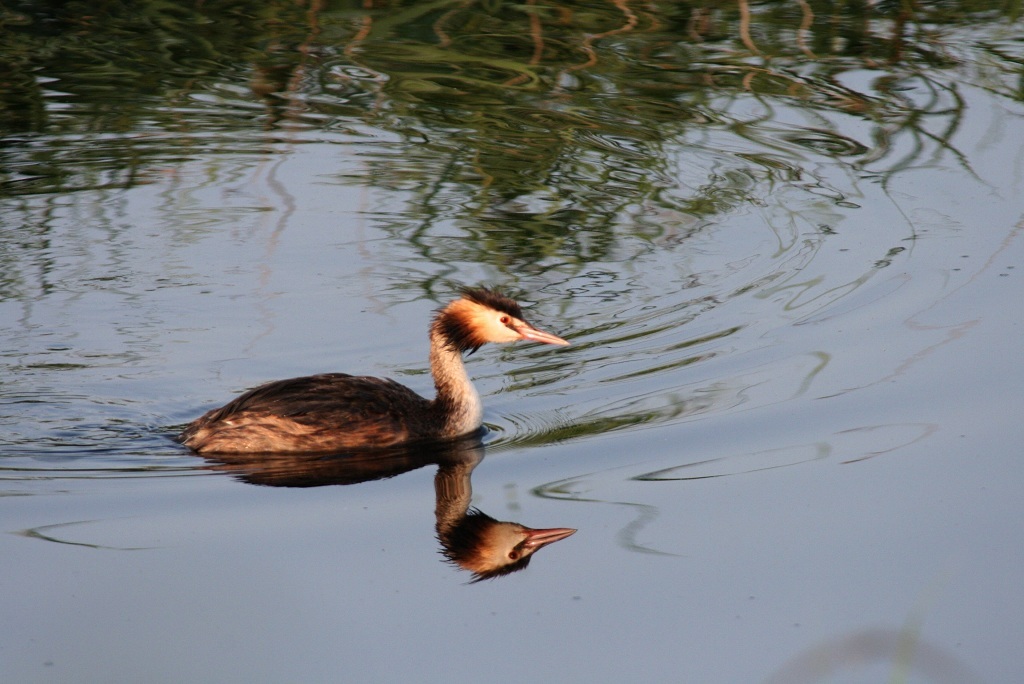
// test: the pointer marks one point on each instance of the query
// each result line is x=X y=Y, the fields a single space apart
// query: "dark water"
x=783 y=238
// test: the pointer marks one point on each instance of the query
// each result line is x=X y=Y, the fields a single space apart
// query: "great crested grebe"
x=336 y=411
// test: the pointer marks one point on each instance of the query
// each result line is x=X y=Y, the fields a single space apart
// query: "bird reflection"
x=470 y=539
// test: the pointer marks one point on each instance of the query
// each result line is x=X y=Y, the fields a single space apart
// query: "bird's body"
x=336 y=412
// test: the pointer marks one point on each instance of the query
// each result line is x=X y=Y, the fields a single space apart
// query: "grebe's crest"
x=493 y=299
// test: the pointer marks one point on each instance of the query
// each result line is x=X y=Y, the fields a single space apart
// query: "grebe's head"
x=481 y=316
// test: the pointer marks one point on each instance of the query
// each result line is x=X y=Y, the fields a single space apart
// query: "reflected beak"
x=531 y=334
x=536 y=539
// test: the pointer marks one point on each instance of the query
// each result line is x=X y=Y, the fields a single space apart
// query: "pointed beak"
x=531 y=334
x=536 y=539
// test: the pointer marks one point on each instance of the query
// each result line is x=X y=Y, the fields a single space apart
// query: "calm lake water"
x=784 y=240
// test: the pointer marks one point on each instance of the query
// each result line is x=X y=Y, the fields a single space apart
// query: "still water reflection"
x=470 y=539
x=784 y=237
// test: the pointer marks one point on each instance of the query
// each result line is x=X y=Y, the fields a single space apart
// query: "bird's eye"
x=505 y=320
x=513 y=555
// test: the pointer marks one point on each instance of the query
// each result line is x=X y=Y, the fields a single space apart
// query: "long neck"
x=457 y=402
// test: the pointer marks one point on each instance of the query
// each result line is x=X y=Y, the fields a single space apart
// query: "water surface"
x=783 y=239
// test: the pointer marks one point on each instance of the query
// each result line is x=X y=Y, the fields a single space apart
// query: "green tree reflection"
x=539 y=124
